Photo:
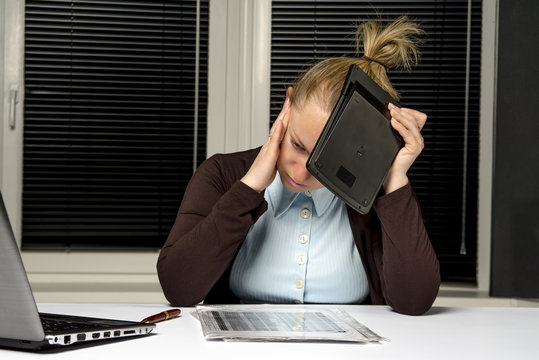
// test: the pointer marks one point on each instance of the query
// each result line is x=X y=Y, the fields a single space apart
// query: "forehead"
x=306 y=124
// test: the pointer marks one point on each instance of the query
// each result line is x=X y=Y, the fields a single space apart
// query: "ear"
x=289 y=91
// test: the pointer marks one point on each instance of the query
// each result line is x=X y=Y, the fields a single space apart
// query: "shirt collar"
x=281 y=198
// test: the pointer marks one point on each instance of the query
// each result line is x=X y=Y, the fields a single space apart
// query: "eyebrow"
x=298 y=141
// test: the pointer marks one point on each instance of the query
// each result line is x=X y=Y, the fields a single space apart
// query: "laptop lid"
x=358 y=144
x=19 y=318
x=21 y=325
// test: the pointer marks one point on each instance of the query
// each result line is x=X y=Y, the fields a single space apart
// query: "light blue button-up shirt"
x=300 y=250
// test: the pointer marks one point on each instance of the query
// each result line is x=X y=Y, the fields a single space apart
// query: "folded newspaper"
x=282 y=323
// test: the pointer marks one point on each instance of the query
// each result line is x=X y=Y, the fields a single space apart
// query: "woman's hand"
x=263 y=170
x=408 y=123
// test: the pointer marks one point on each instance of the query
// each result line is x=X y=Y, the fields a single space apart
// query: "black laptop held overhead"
x=358 y=144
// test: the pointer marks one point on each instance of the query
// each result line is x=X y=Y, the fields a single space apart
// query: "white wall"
x=239 y=75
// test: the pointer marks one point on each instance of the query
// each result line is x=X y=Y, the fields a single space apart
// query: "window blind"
x=109 y=120
x=445 y=86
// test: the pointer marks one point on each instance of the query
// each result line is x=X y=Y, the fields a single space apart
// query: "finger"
x=403 y=131
x=418 y=117
x=410 y=123
x=409 y=117
x=284 y=110
x=414 y=142
x=285 y=120
x=276 y=135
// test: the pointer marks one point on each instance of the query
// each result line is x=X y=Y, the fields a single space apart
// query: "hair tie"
x=373 y=60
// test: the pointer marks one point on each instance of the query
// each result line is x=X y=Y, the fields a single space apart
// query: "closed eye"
x=298 y=146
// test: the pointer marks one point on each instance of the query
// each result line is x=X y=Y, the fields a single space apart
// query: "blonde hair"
x=384 y=47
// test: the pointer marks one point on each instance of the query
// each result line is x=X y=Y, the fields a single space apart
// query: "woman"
x=244 y=234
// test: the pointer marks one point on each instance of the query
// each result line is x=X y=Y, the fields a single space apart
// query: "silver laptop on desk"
x=22 y=327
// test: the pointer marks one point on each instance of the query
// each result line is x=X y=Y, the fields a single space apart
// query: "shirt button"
x=303 y=238
x=301 y=260
x=308 y=193
x=299 y=284
x=305 y=213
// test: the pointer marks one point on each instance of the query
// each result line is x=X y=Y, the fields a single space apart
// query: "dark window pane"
x=445 y=176
x=109 y=120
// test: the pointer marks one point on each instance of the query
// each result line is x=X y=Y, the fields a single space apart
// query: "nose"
x=301 y=174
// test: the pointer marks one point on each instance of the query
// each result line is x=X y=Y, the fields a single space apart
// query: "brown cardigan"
x=217 y=211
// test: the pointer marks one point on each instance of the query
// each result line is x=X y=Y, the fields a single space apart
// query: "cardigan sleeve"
x=215 y=215
x=409 y=268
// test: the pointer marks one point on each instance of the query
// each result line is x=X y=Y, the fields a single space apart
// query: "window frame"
x=234 y=123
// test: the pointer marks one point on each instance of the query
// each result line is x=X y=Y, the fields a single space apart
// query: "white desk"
x=444 y=333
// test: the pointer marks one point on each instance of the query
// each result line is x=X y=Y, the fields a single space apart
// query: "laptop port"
x=96 y=335
x=106 y=334
x=129 y=332
x=117 y=333
x=81 y=337
x=67 y=339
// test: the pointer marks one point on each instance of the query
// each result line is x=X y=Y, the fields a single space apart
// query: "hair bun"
x=395 y=45
x=385 y=47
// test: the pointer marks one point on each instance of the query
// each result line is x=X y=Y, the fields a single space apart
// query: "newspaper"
x=282 y=323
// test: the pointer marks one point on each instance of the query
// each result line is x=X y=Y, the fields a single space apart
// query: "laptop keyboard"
x=56 y=325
